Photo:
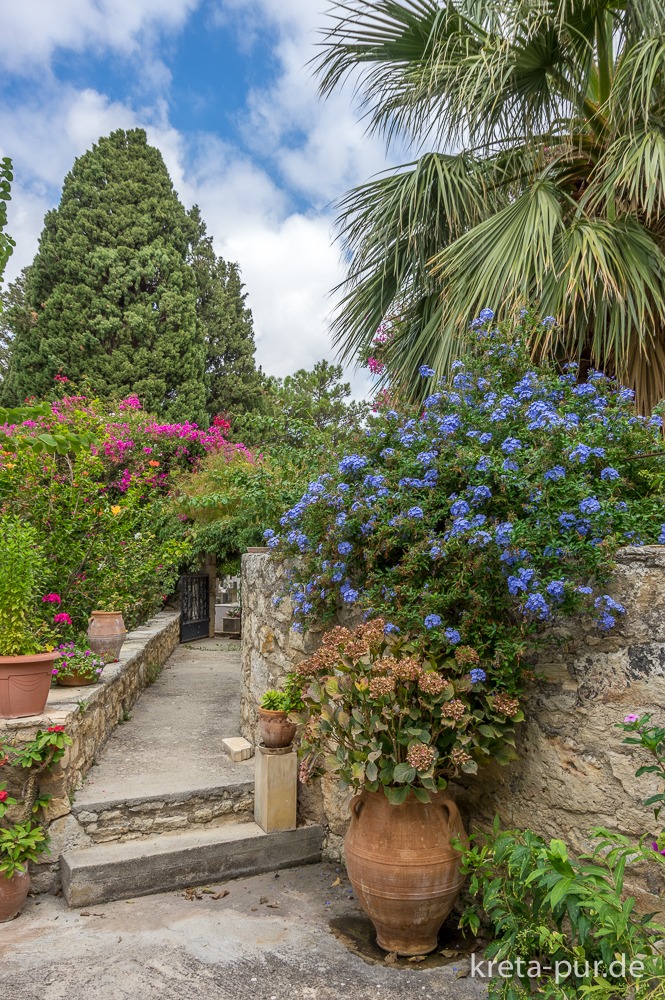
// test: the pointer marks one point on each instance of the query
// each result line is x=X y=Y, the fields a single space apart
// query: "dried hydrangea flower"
x=506 y=705
x=420 y=756
x=454 y=709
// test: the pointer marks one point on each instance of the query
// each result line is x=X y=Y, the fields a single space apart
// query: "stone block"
x=276 y=789
x=238 y=748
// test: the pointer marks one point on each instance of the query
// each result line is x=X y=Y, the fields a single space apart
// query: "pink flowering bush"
x=104 y=517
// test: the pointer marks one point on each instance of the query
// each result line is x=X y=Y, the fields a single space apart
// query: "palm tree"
x=540 y=179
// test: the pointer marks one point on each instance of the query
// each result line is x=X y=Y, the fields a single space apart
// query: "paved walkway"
x=172 y=741
x=291 y=936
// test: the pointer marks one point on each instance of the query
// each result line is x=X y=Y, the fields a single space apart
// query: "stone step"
x=105 y=872
x=107 y=819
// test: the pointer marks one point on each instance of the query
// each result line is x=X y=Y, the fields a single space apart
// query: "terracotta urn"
x=402 y=866
x=25 y=682
x=13 y=894
x=276 y=730
x=75 y=680
x=106 y=634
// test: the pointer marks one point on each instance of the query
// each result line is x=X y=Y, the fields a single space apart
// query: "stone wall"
x=90 y=715
x=573 y=772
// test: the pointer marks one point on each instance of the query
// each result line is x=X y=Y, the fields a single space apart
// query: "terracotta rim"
x=99 y=613
x=272 y=713
x=30 y=658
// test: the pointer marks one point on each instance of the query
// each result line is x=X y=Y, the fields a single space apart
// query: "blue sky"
x=223 y=89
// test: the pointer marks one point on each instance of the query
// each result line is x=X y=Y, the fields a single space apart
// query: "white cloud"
x=32 y=30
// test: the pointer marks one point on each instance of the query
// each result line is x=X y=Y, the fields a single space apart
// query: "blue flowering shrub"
x=484 y=517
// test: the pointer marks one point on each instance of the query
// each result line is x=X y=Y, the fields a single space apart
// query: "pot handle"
x=356 y=804
x=445 y=809
x=90 y=620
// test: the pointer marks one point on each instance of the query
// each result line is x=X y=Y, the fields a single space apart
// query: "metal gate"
x=194 y=607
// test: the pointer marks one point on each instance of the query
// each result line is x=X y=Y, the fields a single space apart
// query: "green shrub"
x=21 y=567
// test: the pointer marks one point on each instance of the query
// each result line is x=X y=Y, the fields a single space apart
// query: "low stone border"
x=89 y=715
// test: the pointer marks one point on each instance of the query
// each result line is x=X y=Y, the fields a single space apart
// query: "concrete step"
x=106 y=818
x=111 y=871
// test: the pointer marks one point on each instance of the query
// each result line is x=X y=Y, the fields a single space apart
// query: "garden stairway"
x=164 y=807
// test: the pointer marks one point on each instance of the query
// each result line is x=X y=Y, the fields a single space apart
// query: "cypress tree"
x=233 y=381
x=112 y=288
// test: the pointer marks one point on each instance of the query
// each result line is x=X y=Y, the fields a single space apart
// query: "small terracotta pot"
x=403 y=869
x=75 y=680
x=13 y=894
x=25 y=682
x=276 y=730
x=106 y=634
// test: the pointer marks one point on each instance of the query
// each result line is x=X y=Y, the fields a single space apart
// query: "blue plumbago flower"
x=556 y=589
x=387 y=452
x=582 y=453
x=296 y=627
x=449 y=424
x=585 y=389
x=339 y=570
x=511 y=445
x=486 y=315
x=626 y=395
x=432 y=400
x=480 y=494
x=277 y=600
x=510 y=466
x=621 y=505
x=268 y=533
x=344 y=548
x=436 y=550
x=392 y=415
x=609 y=473
x=340 y=519
x=389 y=628
x=503 y=533
x=457 y=364
x=590 y=505
x=548 y=321
x=459 y=508
x=567 y=520
x=655 y=421
x=542 y=415
x=609 y=604
x=431 y=621
x=350 y=596
x=605 y=621
x=477 y=675
x=584 y=590
x=352 y=463
x=343 y=487
x=525 y=578
x=416 y=512
x=273 y=542
x=481 y=538
x=451 y=634
x=536 y=604
x=427 y=457
x=483 y=464
x=383 y=492
x=307 y=607
x=406 y=438
x=661 y=537
x=426 y=372
x=374 y=481
x=485 y=438
x=463 y=381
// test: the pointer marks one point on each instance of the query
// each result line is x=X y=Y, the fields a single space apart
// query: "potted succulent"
x=25 y=840
x=77 y=667
x=25 y=666
x=277 y=730
x=231 y=621
x=395 y=724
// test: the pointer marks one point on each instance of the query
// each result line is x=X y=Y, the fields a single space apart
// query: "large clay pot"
x=25 y=682
x=276 y=730
x=106 y=634
x=76 y=680
x=403 y=869
x=13 y=893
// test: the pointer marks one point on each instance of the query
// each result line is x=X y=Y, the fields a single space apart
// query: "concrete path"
x=172 y=741
x=298 y=935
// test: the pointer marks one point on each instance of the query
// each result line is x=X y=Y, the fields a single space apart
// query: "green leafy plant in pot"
x=25 y=663
x=24 y=839
x=277 y=730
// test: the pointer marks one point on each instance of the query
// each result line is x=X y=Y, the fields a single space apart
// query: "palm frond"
x=630 y=177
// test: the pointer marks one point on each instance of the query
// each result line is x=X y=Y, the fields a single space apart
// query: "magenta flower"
x=52 y=598
x=62 y=619
x=631 y=718
x=655 y=847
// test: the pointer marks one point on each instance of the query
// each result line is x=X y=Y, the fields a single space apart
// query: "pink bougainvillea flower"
x=62 y=619
x=52 y=598
x=4 y=796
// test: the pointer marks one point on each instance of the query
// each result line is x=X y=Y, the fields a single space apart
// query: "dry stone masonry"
x=573 y=773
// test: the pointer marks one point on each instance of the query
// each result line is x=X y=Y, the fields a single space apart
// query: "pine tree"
x=234 y=383
x=114 y=294
x=15 y=317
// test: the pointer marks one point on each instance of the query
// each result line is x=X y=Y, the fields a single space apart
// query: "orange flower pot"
x=13 y=894
x=106 y=634
x=25 y=682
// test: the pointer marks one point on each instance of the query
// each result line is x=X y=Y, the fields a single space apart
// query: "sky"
x=224 y=91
